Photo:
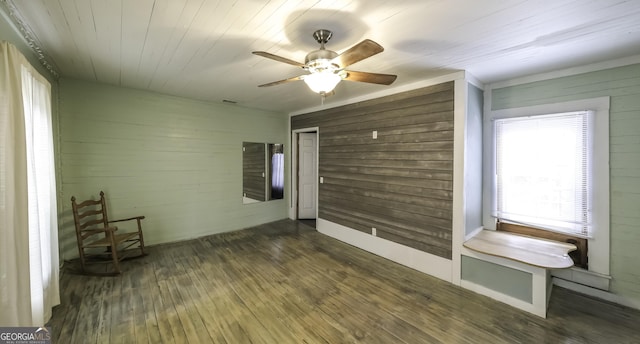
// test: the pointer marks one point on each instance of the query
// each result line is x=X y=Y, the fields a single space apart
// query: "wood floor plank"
x=297 y=314
x=284 y=282
x=139 y=316
x=161 y=309
x=214 y=325
x=150 y=319
x=61 y=312
x=87 y=320
x=103 y=330
x=258 y=296
x=169 y=312
x=122 y=316
x=188 y=314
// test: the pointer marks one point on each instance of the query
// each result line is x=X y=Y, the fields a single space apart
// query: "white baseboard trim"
x=424 y=262
x=601 y=294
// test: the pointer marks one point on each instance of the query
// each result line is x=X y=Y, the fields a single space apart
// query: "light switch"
x=375 y=134
x=321 y=180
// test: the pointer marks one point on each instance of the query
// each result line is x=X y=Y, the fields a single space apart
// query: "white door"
x=307 y=175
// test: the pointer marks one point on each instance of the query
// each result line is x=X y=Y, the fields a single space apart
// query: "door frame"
x=293 y=210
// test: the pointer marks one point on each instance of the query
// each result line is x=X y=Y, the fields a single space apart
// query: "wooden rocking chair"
x=100 y=242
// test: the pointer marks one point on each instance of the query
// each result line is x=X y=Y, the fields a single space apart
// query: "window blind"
x=543 y=176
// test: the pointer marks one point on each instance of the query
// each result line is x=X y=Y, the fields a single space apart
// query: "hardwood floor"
x=285 y=283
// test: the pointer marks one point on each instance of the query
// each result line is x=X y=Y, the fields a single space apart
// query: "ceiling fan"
x=327 y=68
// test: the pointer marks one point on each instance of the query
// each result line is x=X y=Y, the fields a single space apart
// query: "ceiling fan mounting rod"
x=322 y=36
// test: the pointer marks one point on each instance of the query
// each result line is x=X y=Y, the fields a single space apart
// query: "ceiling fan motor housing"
x=320 y=59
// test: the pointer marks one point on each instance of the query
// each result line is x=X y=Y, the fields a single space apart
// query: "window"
x=571 y=189
x=543 y=171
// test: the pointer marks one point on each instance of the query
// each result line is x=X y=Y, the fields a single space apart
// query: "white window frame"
x=599 y=244
x=578 y=223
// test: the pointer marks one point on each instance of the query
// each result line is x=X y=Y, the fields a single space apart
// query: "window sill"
x=579 y=256
x=533 y=251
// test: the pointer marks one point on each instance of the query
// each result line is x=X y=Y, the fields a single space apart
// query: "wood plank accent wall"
x=400 y=183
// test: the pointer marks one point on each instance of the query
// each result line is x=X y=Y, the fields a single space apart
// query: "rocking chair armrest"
x=129 y=219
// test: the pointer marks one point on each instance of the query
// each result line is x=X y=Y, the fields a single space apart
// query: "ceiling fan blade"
x=278 y=58
x=373 y=78
x=295 y=78
x=358 y=52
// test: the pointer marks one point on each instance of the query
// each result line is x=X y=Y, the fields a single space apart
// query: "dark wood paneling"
x=434 y=121
x=419 y=192
x=426 y=156
x=432 y=94
x=387 y=171
x=405 y=134
x=400 y=183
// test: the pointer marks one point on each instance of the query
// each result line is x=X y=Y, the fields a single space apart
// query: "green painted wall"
x=623 y=86
x=176 y=161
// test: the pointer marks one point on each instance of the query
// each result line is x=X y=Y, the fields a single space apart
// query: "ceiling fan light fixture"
x=323 y=82
x=326 y=67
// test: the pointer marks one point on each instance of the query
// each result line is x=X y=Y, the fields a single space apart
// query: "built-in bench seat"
x=516 y=268
x=544 y=253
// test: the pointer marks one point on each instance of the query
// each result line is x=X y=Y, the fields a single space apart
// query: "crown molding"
x=8 y=7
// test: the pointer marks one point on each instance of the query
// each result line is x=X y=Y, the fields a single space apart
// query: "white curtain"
x=29 y=276
x=277 y=172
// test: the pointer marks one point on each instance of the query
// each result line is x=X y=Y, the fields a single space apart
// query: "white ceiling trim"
x=592 y=67
x=9 y=9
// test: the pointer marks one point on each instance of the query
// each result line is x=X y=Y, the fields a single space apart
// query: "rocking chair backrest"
x=89 y=214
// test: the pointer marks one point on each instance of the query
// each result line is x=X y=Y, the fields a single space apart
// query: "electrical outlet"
x=375 y=134
x=321 y=180
x=373 y=231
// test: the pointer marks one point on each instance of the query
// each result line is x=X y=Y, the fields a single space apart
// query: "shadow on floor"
x=311 y=223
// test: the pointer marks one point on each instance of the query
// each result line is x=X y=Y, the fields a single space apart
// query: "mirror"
x=253 y=172
x=262 y=172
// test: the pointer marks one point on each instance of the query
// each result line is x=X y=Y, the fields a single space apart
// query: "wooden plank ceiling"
x=201 y=49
